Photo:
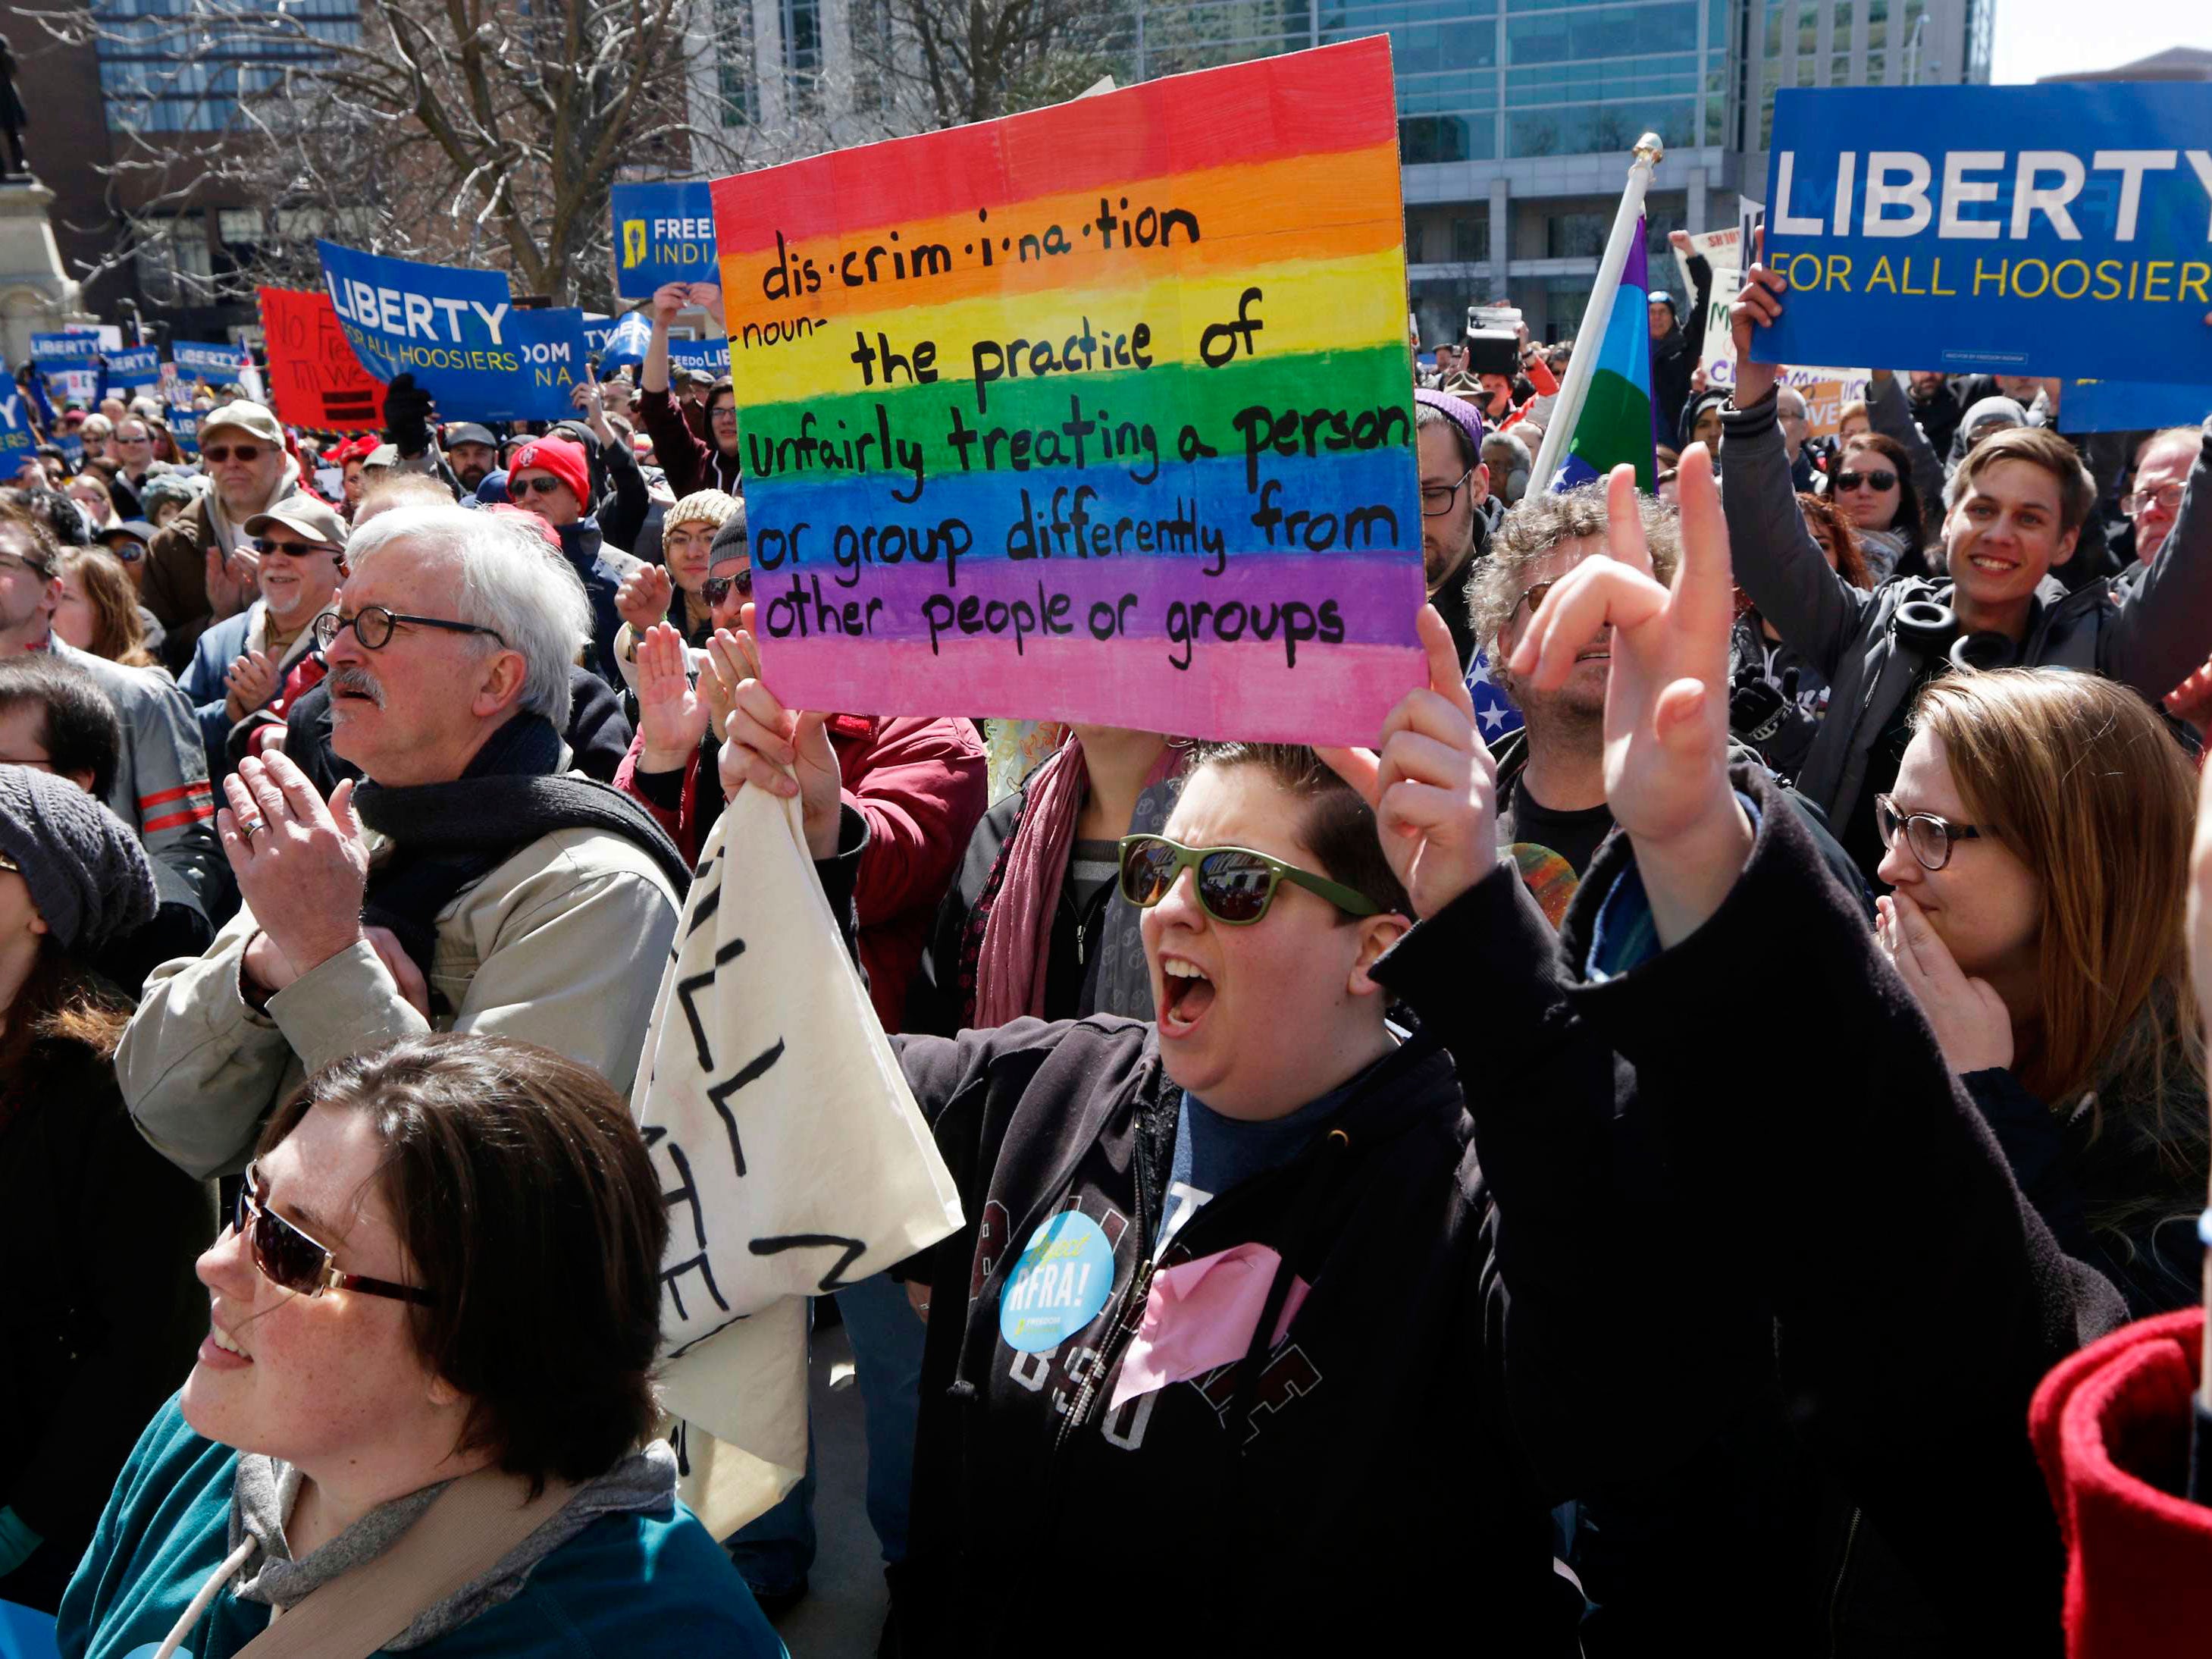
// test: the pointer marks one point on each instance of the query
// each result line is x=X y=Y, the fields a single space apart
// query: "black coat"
x=1866 y=1485
x=100 y=1315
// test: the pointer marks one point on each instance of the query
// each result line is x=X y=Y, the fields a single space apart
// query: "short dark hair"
x=525 y=1199
x=1339 y=825
x=17 y=513
x=83 y=732
x=50 y=518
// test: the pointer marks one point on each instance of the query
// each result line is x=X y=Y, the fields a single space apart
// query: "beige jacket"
x=564 y=944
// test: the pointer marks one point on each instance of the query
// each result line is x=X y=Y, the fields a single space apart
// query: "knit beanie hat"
x=563 y=459
x=87 y=874
x=731 y=542
x=1459 y=412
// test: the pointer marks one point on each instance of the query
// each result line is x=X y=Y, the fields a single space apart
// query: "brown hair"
x=525 y=1199
x=2039 y=446
x=1911 y=521
x=1339 y=825
x=1823 y=514
x=2082 y=783
x=120 y=635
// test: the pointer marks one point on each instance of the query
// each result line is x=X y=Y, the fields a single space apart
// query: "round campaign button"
x=1059 y=1283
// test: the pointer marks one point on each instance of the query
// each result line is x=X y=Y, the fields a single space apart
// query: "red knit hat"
x=561 y=457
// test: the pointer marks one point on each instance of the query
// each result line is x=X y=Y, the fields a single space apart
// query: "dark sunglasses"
x=291 y=549
x=288 y=1258
x=221 y=452
x=535 y=486
x=373 y=625
x=1928 y=837
x=1882 y=479
x=715 y=589
x=127 y=551
x=1235 y=885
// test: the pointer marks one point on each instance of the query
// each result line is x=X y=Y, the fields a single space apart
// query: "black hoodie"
x=1578 y=1308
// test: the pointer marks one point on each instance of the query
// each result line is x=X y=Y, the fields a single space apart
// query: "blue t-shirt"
x=1214 y=1154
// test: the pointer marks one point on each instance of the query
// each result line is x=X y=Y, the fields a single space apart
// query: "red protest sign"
x=315 y=378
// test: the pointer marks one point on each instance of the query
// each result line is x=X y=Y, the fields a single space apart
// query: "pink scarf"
x=1016 y=949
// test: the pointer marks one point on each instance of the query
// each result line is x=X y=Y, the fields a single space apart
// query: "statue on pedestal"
x=13 y=119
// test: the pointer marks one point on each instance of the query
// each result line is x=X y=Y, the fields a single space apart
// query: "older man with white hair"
x=468 y=882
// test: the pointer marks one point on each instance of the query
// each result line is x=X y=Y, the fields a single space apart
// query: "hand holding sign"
x=1756 y=307
x=1666 y=700
x=770 y=747
x=1432 y=782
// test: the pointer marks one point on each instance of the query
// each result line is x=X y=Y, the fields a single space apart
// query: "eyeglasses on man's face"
x=374 y=626
x=2166 y=498
x=1436 y=498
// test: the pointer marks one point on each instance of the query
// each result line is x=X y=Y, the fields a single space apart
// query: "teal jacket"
x=626 y=1585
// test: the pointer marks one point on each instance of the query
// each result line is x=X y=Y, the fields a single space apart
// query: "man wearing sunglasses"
x=505 y=895
x=202 y=568
x=244 y=666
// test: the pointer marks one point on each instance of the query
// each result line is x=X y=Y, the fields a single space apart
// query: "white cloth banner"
x=792 y=1156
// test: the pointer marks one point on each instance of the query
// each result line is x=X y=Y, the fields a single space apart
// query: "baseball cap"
x=468 y=432
x=305 y=514
x=249 y=418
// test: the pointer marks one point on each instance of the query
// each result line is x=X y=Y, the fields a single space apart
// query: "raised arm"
x=1780 y=566
x=1889 y=414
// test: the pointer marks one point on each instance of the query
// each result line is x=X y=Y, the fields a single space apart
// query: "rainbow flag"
x=1615 y=422
x=1100 y=413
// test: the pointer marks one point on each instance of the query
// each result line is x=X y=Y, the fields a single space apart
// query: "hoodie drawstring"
x=216 y=1580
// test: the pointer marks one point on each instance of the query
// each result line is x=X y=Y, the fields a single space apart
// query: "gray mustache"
x=358 y=680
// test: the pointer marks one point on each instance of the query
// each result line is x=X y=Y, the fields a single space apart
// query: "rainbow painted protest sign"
x=1101 y=413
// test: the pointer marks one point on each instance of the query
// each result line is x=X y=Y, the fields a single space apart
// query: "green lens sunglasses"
x=1235 y=885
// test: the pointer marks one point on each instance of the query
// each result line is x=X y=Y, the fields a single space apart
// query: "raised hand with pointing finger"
x=1666 y=700
x=1432 y=782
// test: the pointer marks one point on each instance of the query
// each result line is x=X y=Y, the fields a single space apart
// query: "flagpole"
x=1597 y=314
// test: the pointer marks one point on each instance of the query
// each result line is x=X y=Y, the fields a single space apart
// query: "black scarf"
x=448 y=836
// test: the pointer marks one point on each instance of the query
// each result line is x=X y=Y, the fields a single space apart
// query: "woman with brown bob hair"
x=442 y=1275
x=2039 y=838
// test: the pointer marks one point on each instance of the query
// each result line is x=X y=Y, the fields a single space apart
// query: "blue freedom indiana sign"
x=712 y=355
x=2060 y=230
x=458 y=333
x=663 y=233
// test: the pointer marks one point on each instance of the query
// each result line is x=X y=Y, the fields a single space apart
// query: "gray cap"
x=86 y=870
x=468 y=432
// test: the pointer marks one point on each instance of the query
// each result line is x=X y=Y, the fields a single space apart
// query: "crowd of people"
x=1476 y=1247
